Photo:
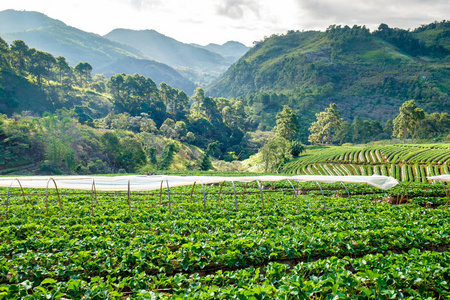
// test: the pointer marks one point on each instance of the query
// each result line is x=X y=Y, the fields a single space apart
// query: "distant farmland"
x=404 y=162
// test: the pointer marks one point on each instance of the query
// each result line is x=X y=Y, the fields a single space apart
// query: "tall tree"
x=196 y=107
x=287 y=123
x=324 y=129
x=83 y=70
x=20 y=54
x=4 y=54
x=62 y=66
x=406 y=122
x=40 y=64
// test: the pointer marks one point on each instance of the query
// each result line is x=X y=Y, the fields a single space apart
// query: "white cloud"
x=204 y=21
x=318 y=14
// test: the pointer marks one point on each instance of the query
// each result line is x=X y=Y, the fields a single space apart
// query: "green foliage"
x=363 y=74
x=167 y=156
x=274 y=153
x=204 y=163
x=404 y=162
x=324 y=129
x=300 y=253
x=131 y=156
x=297 y=148
x=407 y=120
x=287 y=124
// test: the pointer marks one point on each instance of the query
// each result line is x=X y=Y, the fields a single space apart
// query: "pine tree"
x=287 y=124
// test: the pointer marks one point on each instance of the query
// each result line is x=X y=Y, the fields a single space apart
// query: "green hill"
x=367 y=74
x=53 y=36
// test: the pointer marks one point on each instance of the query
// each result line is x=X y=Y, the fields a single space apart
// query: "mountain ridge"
x=365 y=73
x=54 y=36
x=200 y=64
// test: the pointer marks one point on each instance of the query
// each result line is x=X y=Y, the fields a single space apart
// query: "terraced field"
x=403 y=162
x=321 y=247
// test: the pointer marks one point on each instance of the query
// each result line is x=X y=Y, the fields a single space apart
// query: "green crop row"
x=108 y=249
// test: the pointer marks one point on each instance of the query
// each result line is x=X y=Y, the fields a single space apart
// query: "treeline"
x=43 y=98
x=357 y=69
x=411 y=122
x=56 y=118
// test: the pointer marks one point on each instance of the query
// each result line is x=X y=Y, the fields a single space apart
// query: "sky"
x=246 y=21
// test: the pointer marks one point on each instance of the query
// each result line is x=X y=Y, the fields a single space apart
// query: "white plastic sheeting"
x=154 y=182
x=445 y=177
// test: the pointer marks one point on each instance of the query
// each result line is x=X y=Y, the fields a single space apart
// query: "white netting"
x=445 y=177
x=153 y=182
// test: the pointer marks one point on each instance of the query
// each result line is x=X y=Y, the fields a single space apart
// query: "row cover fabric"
x=445 y=177
x=154 y=182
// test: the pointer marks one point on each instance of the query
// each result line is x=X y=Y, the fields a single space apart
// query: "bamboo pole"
x=220 y=191
x=192 y=191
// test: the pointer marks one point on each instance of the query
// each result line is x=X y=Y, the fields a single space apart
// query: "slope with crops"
x=403 y=162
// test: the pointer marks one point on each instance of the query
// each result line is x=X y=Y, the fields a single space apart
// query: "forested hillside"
x=57 y=118
x=342 y=86
x=367 y=74
x=105 y=56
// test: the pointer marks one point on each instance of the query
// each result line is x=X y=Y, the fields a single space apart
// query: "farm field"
x=409 y=163
x=321 y=247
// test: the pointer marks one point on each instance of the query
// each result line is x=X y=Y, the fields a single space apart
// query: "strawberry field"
x=307 y=246
x=409 y=163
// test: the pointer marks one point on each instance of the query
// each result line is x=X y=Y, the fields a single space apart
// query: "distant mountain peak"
x=19 y=21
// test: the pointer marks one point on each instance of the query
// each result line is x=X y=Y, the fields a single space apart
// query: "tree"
x=275 y=152
x=40 y=64
x=62 y=66
x=167 y=156
x=4 y=55
x=199 y=96
x=111 y=146
x=406 y=122
x=20 y=54
x=324 y=129
x=83 y=69
x=297 y=148
x=131 y=155
x=287 y=124
x=205 y=162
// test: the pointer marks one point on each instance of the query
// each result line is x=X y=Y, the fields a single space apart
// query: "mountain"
x=200 y=64
x=231 y=50
x=53 y=36
x=148 y=68
x=367 y=74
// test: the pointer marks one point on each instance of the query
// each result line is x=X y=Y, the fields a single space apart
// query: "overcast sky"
x=246 y=21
